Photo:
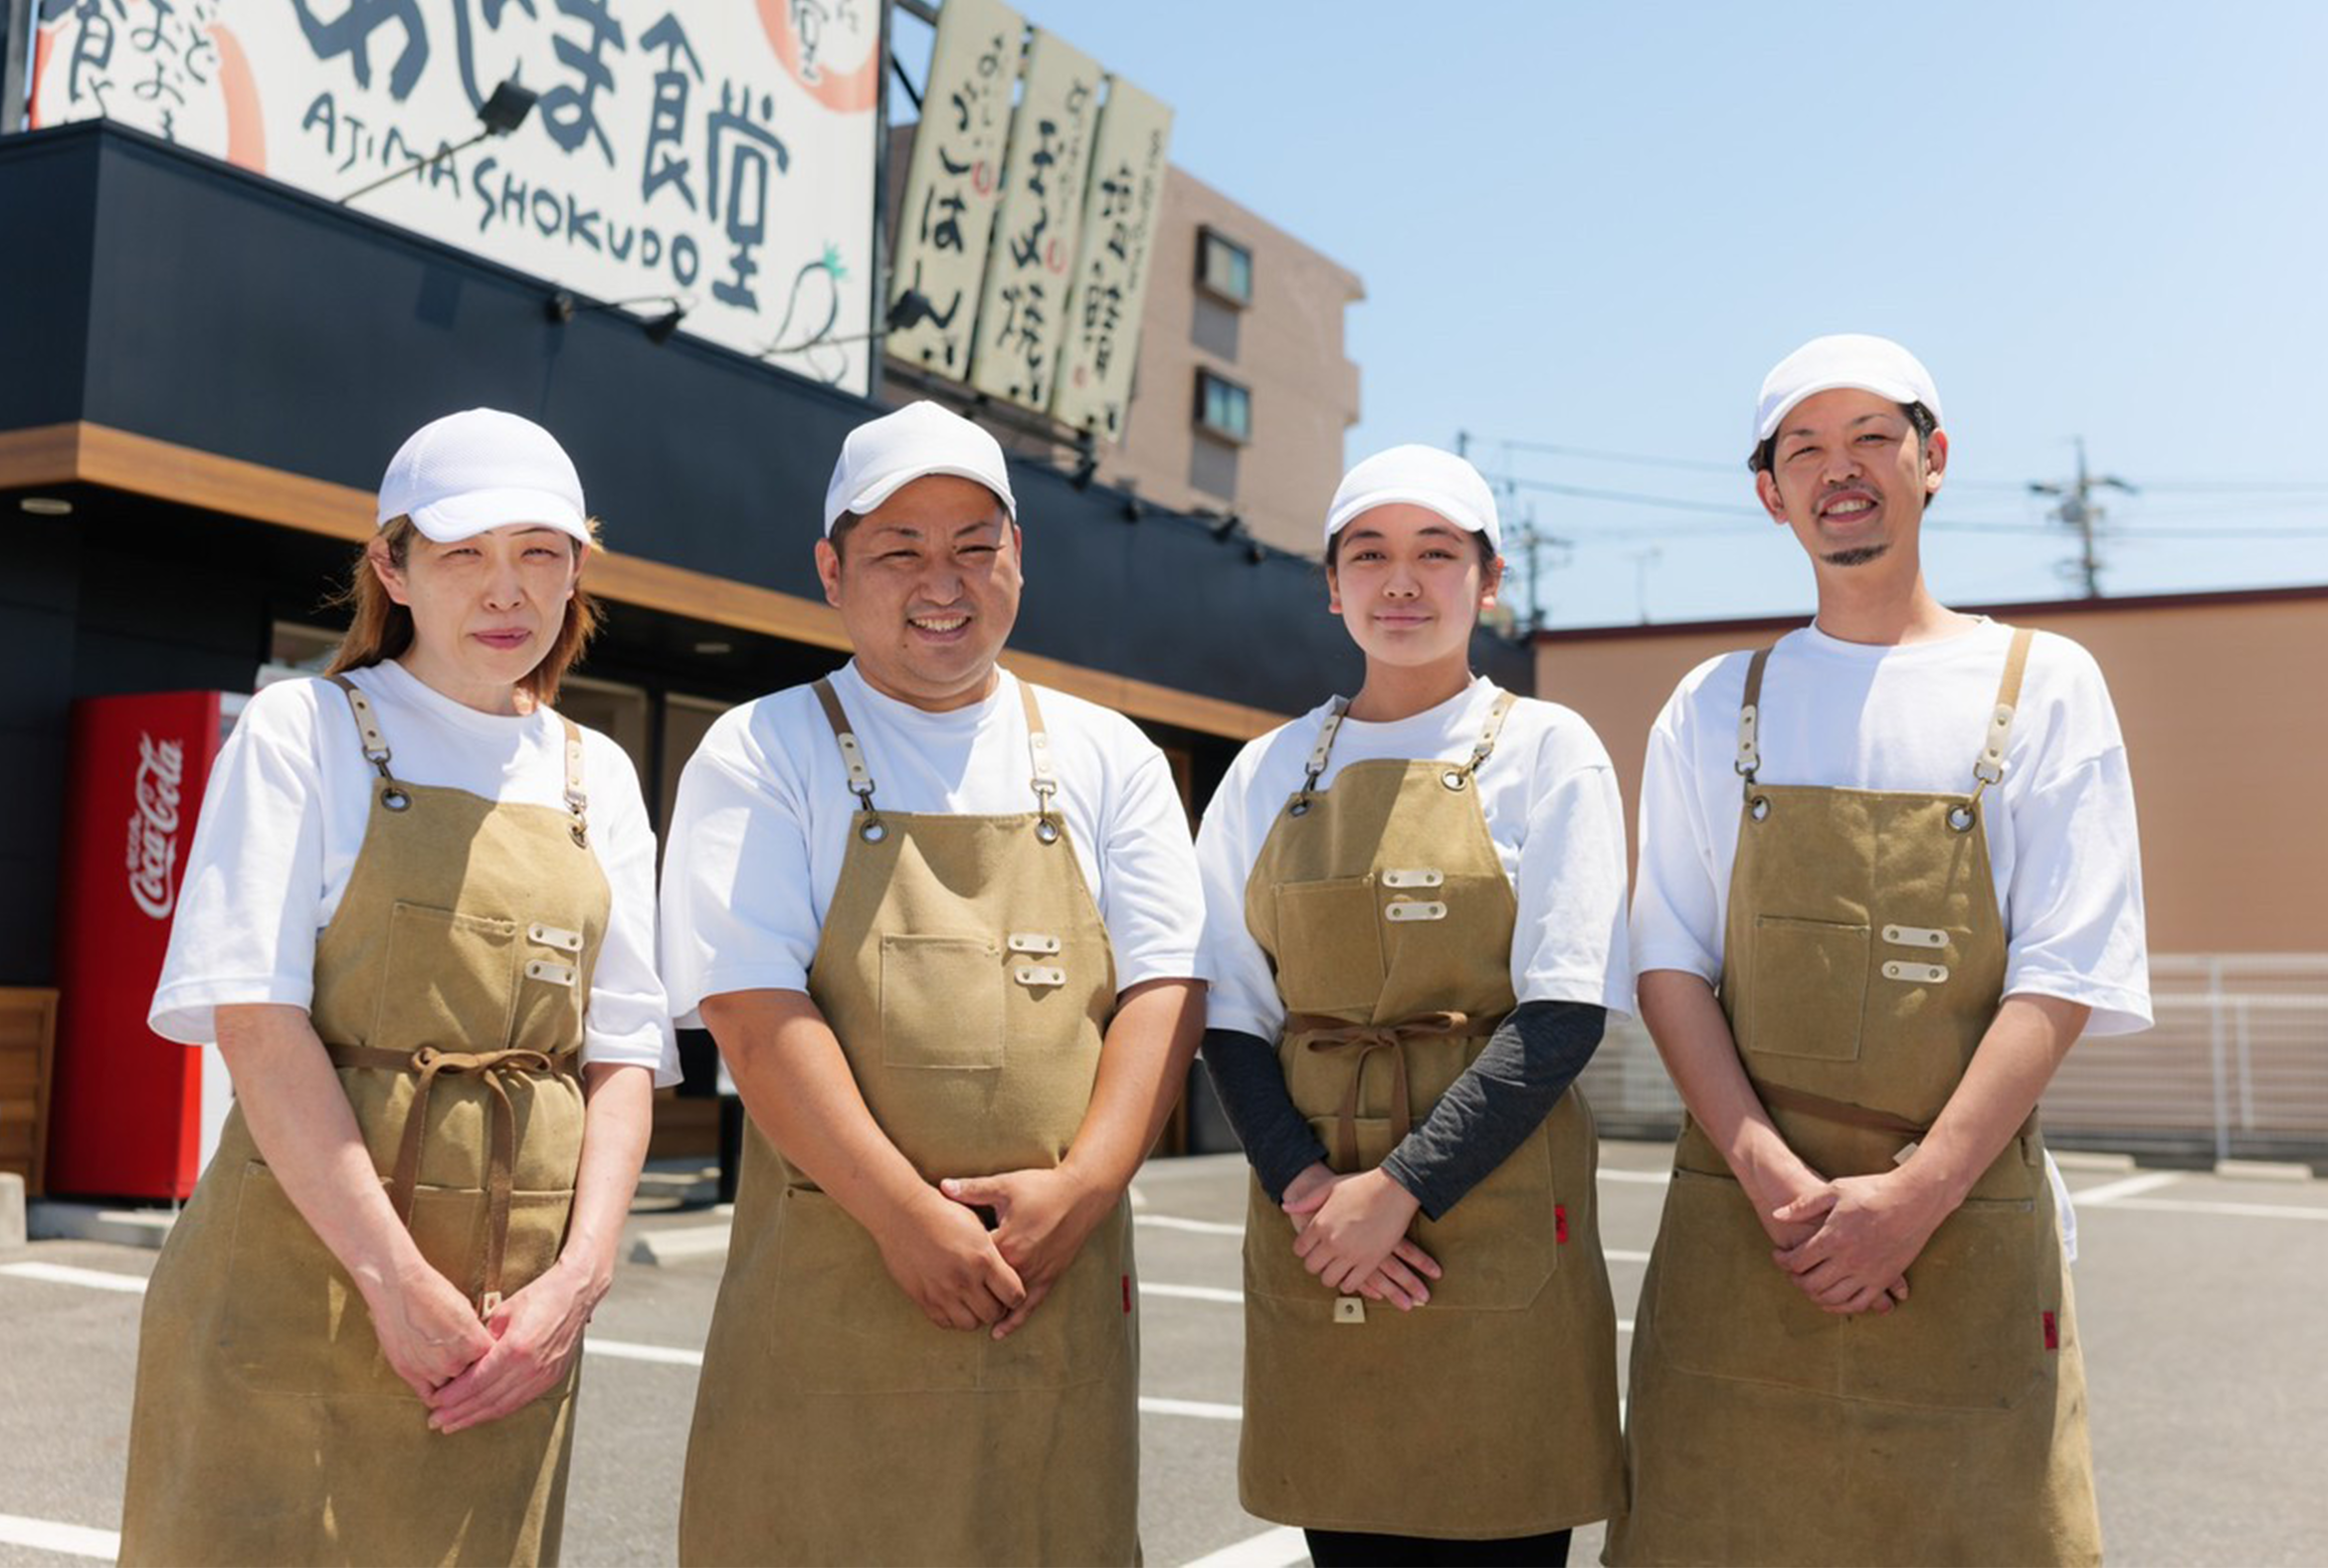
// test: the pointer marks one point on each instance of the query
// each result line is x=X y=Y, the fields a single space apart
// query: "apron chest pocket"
x=1330 y=944
x=450 y=980
x=942 y=1002
x=1810 y=989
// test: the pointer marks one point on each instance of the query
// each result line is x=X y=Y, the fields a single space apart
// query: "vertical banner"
x=719 y=153
x=1093 y=387
x=1021 y=312
x=954 y=182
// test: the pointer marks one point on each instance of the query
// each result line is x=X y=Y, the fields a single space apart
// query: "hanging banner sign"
x=1021 y=313
x=1093 y=388
x=722 y=154
x=954 y=183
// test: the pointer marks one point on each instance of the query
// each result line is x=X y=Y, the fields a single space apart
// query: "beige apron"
x=1864 y=959
x=449 y=988
x=965 y=971
x=1492 y=1410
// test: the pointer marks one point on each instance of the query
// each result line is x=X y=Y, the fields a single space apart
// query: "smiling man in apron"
x=1888 y=877
x=945 y=927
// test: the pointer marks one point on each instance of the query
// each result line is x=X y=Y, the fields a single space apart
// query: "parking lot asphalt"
x=2199 y=1299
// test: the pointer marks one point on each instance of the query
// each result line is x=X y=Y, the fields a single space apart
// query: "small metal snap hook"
x=1047 y=829
x=1456 y=779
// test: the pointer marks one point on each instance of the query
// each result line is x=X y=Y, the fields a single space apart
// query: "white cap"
x=884 y=455
x=1420 y=477
x=468 y=472
x=1842 y=360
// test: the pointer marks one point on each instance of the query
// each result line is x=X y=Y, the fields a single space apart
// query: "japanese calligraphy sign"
x=955 y=180
x=1021 y=313
x=719 y=153
x=1093 y=387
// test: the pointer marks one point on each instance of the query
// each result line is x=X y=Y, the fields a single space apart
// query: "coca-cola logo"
x=153 y=828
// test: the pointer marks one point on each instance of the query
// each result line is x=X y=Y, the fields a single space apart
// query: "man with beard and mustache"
x=945 y=927
x=1888 y=876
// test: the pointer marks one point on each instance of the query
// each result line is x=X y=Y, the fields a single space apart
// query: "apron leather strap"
x=501 y=1158
x=1750 y=719
x=1781 y=1098
x=1803 y=1101
x=370 y=736
x=1044 y=781
x=1497 y=712
x=577 y=798
x=861 y=779
x=1320 y=1033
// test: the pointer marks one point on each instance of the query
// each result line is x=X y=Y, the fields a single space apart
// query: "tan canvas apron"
x=1492 y=1410
x=965 y=971
x=449 y=988
x=1864 y=958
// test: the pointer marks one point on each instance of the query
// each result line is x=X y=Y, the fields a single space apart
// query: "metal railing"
x=2235 y=1068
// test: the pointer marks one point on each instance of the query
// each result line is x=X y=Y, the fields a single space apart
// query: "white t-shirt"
x=2061 y=849
x=1552 y=808
x=284 y=819
x=763 y=814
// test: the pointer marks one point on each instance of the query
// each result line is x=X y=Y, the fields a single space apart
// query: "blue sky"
x=1597 y=227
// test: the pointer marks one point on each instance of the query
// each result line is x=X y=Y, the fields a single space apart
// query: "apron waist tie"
x=502 y=1154
x=1321 y=1033
x=1778 y=1097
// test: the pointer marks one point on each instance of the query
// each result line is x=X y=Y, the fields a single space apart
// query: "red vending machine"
x=133 y=1114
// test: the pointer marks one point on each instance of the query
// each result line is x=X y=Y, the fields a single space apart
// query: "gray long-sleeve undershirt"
x=1529 y=1062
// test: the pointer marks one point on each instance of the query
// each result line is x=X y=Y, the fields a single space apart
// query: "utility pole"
x=2081 y=511
x=1641 y=561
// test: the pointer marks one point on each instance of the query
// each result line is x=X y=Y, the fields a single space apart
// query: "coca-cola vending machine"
x=132 y=1114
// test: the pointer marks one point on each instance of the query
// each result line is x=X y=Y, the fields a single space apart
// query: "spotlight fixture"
x=500 y=114
x=1226 y=526
x=562 y=307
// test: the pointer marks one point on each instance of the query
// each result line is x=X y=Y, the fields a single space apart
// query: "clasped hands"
x=1847 y=1243
x=470 y=1371
x=1351 y=1233
x=964 y=1275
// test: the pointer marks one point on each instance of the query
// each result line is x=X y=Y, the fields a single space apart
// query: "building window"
x=1223 y=408
x=1223 y=268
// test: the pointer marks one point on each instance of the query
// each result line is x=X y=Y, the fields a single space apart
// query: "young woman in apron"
x=1414 y=905
x=418 y=919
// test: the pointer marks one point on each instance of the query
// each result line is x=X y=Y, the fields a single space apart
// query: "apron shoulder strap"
x=861 y=779
x=1044 y=781
x=1486 y=738
x=1314 y=768
x=577 y=798
x=367 y=724
x=1991 y=766
x=1750 y=719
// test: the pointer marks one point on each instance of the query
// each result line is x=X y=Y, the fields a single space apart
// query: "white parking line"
x=1193 y=1293
x=624 y=1350
x=1190 y=1407
x=2259 y=1211
x=2124 y=1187
x=1646 y=1178
x=65 y=1274
x=1278 y=1548
x=1173 y=1222
x=72 y=1540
